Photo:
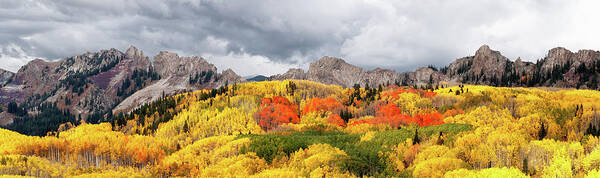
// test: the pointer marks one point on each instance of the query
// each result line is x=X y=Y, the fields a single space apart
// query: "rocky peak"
x=521 y=66
x=332 y=63
x=331 y=70
x=329 y=62
x=229 y=72
x=484 y=50
x=168 y=63
x=587 y=56
x=380 y=70
x=37 y=76
x=5 y=76
x=36 y=61
x=293 y=73
x=133 y=51
x=559 y=53
x=423 y=76
x=89 y=62
x=488 y=63
x=556 y=57
x=518 y=60
x=137 y=57
x=229 y=77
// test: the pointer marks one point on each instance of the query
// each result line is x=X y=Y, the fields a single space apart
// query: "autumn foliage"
x=322 y=105
x=392 y=115
x=276 y=111
x=395 y=92
x=336 y=120
x=256 y=129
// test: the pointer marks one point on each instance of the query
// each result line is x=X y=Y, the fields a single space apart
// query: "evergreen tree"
x=416 y=139
x=592 y=130
x=543 y=132
x=186 y=128
x=525 y=166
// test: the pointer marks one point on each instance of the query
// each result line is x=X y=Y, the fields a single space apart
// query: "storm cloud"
x=270 y=36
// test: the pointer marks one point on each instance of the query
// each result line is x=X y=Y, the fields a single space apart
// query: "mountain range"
x=560 y=68
x=98 y=85
x=105 y=82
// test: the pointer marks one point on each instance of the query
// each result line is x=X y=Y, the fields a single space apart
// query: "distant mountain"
x=93 y=84
x=332 y=70
x=256 y=78
x=560 y=68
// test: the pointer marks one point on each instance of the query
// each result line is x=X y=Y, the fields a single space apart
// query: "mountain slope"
x=178 y=74
x=92 y=84
x=84 y=83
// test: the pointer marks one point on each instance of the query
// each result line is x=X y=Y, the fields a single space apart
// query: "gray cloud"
x=246 y=35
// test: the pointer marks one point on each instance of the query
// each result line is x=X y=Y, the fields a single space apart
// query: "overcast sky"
x=268 y=37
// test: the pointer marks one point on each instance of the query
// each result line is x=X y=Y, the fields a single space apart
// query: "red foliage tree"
x=428 y=119
x=388 y=110
x=392 y=115
x=428 y=94
x=453 y=112
x=337 y=120
x=276 y=111
x=322 y=105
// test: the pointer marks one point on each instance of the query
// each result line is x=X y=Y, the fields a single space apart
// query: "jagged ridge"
x=560 y=68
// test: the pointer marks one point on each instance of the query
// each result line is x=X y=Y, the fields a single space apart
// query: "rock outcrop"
x=293 y=73
x=422 y=76
x=5 y=76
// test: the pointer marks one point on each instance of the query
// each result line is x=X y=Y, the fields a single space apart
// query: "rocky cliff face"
x=488 y=63
x=170 y=64
x=229 y=77
x=5 y=77
x=422 y=76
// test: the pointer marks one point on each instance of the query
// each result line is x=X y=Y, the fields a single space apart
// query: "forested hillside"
x=299 y=128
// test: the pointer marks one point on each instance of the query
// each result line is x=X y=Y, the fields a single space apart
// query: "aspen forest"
x=300 y=128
